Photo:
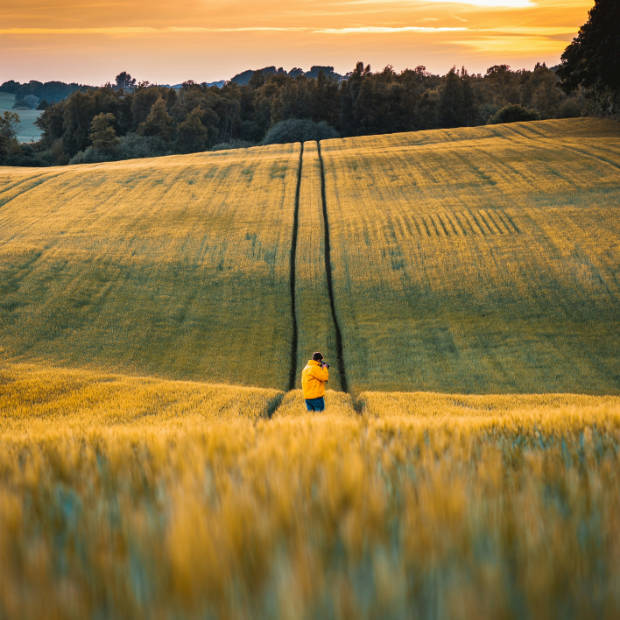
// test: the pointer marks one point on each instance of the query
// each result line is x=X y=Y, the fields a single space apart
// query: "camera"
x=325 y=364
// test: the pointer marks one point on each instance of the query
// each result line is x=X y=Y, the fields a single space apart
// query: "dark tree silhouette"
x=158 y=123
x=592 y=60
x=192 y=134
x=153 y=120
x=8 y=143
x=451 y=101
x=102 y=132
x=124 y=81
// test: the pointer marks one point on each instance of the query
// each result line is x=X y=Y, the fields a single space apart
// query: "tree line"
x=129 y=119
x=141 y=120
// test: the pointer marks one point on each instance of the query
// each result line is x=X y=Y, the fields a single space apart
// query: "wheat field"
x=479 y=260
x=168 y=269
x=131 y=497
x=156 y=458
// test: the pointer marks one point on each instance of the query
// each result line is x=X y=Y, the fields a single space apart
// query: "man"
x=313 y=379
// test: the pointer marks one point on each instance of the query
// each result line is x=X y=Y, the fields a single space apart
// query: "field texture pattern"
x=156 y=459
x=480 y=260
x=124 y=497
x=178 y=269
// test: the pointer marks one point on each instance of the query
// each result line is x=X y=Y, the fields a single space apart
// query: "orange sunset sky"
x=90 y=41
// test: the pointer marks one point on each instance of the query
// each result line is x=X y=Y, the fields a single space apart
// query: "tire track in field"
x=330 y=286
x=34 y=183
x=292 y=270
x=26 y=179
x=598 y=158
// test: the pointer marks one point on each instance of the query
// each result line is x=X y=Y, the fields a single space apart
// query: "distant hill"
x=243 y=78
x=30 y=95
x=218 y=84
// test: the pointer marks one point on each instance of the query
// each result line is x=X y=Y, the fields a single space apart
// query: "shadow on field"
x=274 y=403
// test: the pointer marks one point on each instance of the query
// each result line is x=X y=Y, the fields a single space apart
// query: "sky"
x=163 y=41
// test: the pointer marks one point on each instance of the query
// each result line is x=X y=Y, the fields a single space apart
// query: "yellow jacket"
x=313 y=379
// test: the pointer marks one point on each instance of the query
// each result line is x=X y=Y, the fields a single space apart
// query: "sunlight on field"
x=32 y=396
x=479 y=259
x=476 y=269
x=176 y=266
x=126 y=497
x=491 y=406
x=475 y=260
x=315 y=325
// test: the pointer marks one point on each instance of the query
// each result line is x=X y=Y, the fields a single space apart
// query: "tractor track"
x=30 y=184
x=330 y=286
x=292 y=270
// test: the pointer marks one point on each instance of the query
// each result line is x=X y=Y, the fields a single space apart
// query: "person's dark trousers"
x=315 y=404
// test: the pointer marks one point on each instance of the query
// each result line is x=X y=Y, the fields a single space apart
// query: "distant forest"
x=137 y=120
x=128 y=119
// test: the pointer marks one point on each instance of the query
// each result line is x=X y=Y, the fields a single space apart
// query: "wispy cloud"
x=544 y=31
x=149 y=30
x=507 y=4
x=501 y=45
x=159 y=39
x=388 y=29
x=499 y=4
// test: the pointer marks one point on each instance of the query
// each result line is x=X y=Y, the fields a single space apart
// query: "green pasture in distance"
x=26 y=131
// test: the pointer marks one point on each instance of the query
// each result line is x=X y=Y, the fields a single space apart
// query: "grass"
x=133 y=497
x=471 y=472
x=314 y=319
x=26 y=130
x=33 y=395
x=176 y=267
x=478 y=260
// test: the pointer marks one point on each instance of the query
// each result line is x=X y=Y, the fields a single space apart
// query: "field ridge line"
x=328 y=269
x=295 y=338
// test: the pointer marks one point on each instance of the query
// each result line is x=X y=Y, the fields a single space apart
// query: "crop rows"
x=478 y=260
x=454 y=224
x=177 y=268
x=471 y=260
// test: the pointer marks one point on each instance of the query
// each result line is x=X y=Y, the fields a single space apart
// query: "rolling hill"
x=178 y=269
x=156 y=459
x=477 y=260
